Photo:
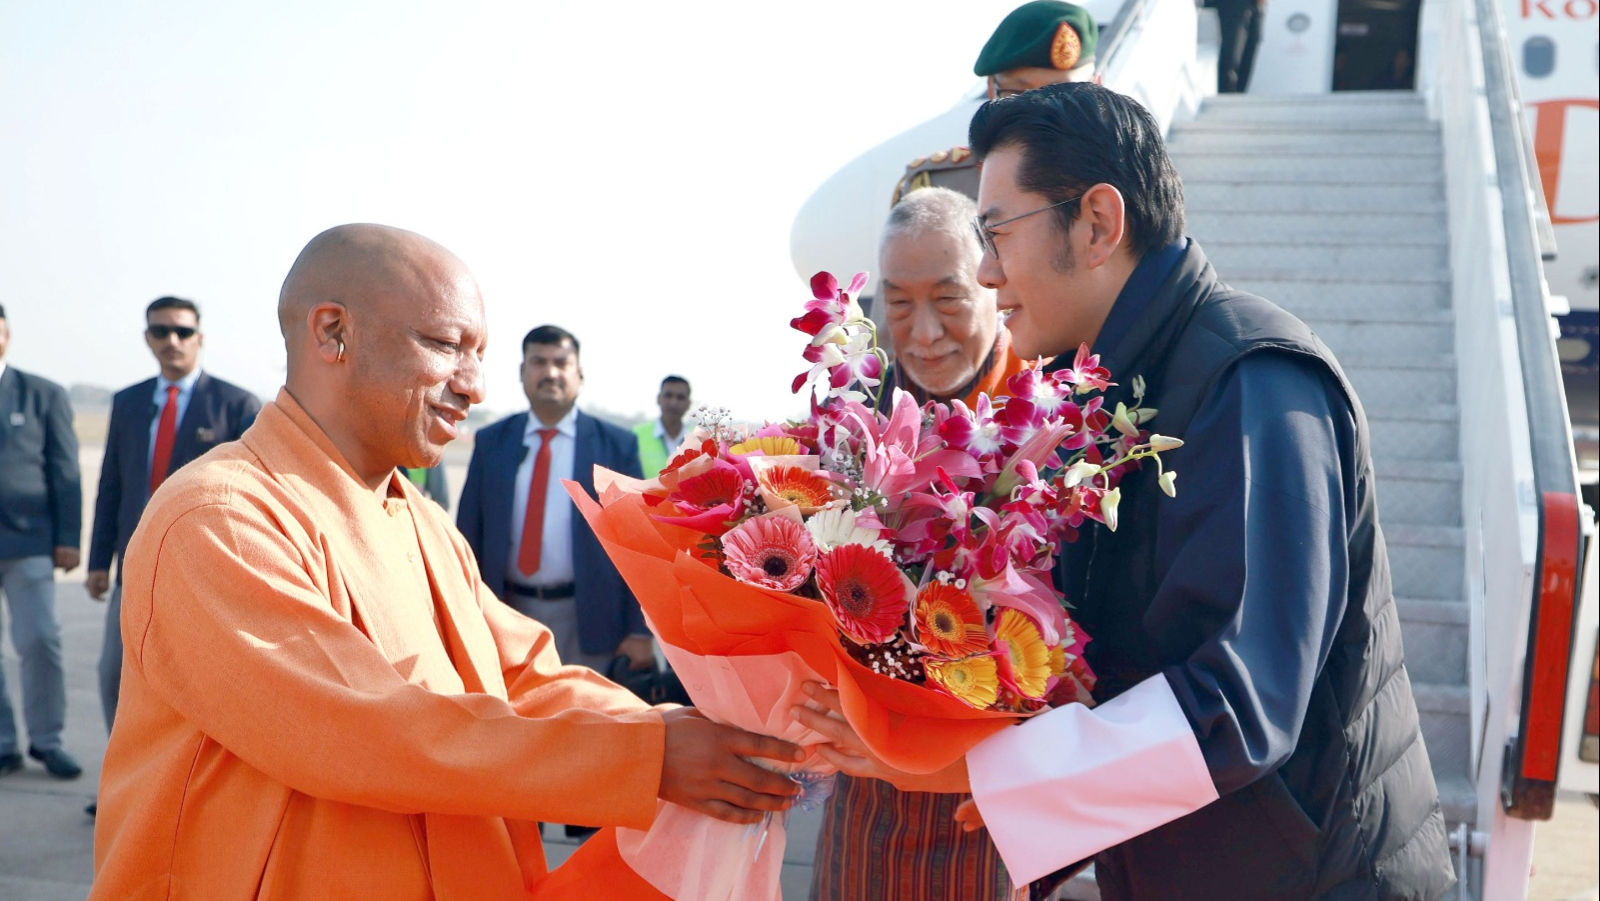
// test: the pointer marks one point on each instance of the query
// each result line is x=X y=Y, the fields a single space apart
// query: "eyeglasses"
x=162 y=332
x=985 y=232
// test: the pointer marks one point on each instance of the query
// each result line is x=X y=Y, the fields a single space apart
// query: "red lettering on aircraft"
x=1549 y=130
x=1577 y=10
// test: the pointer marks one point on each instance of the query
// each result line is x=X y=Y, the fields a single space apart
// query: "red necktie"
x=166 y=434
x=533 y=523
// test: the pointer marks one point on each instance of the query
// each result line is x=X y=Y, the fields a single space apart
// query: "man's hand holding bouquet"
x=898 y=555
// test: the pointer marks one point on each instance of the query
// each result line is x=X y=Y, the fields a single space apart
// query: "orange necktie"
x=166 y=434
x=533 y=523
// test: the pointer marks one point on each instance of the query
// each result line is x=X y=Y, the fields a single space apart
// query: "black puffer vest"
x=1354 y=812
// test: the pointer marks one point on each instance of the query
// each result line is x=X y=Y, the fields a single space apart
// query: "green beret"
x=1046 y=34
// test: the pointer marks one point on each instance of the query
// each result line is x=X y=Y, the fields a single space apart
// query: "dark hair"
x=3 y=315
x=1076 y=135
x=173 y=303
x=675 y=378
x=548 y=334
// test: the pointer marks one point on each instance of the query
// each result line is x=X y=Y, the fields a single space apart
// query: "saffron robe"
x=321 y=699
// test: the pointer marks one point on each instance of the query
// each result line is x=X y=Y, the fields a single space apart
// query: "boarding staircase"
x=1333 y=206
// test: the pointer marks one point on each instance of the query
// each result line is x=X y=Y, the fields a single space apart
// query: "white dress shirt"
x=669 y=443
x=185 y=392
x=555 y=551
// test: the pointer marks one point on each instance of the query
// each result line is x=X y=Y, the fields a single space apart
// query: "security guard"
x=1039 y=43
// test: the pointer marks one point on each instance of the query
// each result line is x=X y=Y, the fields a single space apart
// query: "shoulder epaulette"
x=917 y=174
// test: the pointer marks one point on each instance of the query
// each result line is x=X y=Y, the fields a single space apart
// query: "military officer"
x=1039 y=43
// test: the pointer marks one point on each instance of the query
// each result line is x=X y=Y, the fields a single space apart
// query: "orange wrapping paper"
x=694 y=607
x=698 y=612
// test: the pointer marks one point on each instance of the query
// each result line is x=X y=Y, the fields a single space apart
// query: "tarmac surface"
x=47 y=841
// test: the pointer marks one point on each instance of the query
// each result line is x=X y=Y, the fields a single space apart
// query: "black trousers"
x=1241 y=32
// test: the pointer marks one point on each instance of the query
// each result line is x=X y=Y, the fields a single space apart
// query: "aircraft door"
x=1375 y=48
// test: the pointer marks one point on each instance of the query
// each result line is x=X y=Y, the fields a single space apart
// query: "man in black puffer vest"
x=1256 y=736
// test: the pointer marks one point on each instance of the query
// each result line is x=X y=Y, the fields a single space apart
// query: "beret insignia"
x=1066 y=49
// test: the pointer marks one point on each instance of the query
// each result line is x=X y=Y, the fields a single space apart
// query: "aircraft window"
x=1538 y=56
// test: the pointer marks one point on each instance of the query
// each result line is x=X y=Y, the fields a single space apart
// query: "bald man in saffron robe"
x=320 y=698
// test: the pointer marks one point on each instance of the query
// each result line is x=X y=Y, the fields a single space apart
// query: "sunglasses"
x=163 y=332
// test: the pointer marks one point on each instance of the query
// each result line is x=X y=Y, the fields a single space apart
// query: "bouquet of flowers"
x=902 y=555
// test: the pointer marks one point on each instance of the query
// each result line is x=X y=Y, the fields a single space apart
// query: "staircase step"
x=1374 y=260
x=1352 y=299
x=1351 y=333
x=1317 y=116
x=1423 y=502
x=1457 y=797
x=1325 y=125
x=1313 y=117
x=1288 y=197
x=1419 y=492
x=1344 y=100
x=1308 y=168
x=1422 y=378
x=1437 y=630
x=1419 y=470
x=1188 y=138
x=1446 y=727
x=1402 y=434
x=1316 y=227
x=1425 y=562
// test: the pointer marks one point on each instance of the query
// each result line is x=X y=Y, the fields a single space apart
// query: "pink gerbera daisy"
x=865 y=590
x=770 y=551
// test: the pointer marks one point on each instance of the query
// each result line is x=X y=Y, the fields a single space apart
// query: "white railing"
x=1506 y=442
x=1154 y=61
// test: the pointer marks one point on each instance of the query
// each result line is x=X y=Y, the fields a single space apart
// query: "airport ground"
x=47 y=841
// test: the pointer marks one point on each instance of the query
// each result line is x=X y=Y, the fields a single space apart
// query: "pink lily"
x=1026 y=592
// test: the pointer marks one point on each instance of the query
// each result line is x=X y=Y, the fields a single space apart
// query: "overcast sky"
x=627 y=170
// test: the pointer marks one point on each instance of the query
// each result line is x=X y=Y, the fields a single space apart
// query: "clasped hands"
x=846 y=750
x=705 y=766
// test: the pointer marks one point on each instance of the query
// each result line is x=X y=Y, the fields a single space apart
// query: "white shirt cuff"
x=1076 y=780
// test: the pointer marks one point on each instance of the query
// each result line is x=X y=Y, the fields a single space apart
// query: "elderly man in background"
x=321 y=699
x=877 y=841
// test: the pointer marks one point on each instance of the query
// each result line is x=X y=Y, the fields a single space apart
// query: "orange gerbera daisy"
x=949 y=622
x=791 y=486
x=768 y=445
x=974 y=680
x=1058 y=660
x=1024 y=657
x=865 y=590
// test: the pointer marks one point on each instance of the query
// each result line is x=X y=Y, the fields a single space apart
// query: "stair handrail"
x=1500 y=57
x=1529 y=775
x=1112 y=35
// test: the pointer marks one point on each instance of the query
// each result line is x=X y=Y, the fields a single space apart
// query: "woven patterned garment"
x=878 y=842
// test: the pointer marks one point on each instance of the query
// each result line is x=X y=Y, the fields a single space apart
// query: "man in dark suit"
x=546 y=561
x=156 y=426
x=41 y=514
